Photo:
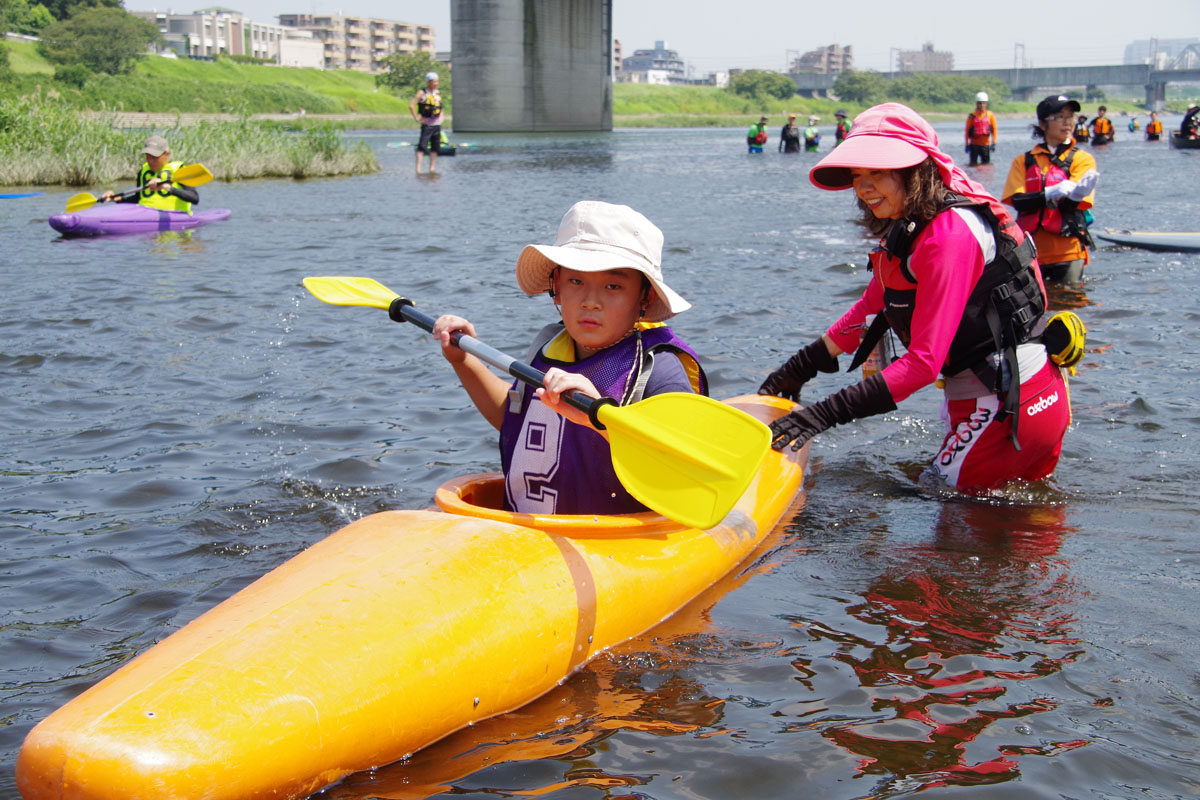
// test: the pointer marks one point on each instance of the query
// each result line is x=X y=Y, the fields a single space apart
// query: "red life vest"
x=980 y=125
x=1047 y=219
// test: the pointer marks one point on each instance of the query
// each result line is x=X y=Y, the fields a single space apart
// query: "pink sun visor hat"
x=886 y=136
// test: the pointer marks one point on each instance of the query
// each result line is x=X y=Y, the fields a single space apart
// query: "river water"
x=178 y=416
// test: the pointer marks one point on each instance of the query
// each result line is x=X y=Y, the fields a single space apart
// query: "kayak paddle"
x=686 y=456
x=189 y=175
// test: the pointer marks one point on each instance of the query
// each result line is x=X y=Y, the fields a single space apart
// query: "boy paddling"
x=604 y=275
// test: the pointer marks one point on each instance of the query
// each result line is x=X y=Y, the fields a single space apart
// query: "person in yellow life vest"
x=1081 y=135
x=426 y=108
x=981 y=131
x=1102 y=127
x=1153 y=128
x=1052 y=186
x=154 y=181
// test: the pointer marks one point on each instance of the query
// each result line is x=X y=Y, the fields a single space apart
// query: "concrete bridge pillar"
x=1156 y=96
x=532 y=65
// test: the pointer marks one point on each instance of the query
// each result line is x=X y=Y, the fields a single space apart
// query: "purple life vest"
x=553 y=466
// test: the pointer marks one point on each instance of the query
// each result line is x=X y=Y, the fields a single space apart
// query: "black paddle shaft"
x=403 y=310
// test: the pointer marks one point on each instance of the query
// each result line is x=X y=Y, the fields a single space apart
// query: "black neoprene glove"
x=798 y=370
x=865 y=399
x=1028 y=202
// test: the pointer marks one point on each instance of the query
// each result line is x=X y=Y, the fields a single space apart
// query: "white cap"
x=431 y=76
x=982 y=97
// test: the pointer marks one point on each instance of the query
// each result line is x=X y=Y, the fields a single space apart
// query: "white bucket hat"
x=595 y=236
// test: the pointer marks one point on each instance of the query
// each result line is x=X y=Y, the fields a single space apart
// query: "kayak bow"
x=386 y=636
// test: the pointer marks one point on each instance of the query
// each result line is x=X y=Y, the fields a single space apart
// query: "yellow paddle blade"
x=344 y=291
x=193 y=175
x=78 y=202
x=687 y=456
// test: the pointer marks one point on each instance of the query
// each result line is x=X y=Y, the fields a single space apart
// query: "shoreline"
x=163 y=119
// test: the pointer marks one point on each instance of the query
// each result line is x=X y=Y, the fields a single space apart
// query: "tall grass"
x=45 y=141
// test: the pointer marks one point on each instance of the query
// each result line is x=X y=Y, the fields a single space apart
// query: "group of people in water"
x=793 y=138
x=955 y=276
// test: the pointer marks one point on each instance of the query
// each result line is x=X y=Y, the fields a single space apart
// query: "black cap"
x=1054 y=104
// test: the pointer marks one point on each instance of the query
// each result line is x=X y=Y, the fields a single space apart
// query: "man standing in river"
x=426 y=108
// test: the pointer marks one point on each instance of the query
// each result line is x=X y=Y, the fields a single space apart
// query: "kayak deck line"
x=386 y=636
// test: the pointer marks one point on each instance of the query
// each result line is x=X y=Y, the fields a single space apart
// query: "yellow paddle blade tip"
x=688 y=457
x=78 y=202
x=350 y=291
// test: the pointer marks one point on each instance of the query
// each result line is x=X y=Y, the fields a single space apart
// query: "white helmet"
x=981 y=97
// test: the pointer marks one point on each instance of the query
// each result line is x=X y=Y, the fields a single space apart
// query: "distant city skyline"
x=718 y=35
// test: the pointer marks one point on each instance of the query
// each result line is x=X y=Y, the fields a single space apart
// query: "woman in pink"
x=958 y=283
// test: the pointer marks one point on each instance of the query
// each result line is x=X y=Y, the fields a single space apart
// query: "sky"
x=717 y=35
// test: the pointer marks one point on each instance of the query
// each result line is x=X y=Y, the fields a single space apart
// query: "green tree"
x=72 y=74
x=101 y=39
x=406 y=74
x=927 y=88
x=864 y=88
x=64 y=9
x=19 y=16
x=762 y=83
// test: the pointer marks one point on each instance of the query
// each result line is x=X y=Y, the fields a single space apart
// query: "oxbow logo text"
x=1042 y=404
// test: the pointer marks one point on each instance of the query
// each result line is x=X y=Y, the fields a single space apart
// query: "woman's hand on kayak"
x=558 y=383
x=446 y=325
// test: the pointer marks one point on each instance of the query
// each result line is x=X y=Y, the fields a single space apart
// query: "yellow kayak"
x=386 y=636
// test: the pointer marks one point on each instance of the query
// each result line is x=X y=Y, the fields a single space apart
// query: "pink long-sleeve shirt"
x=947 y=260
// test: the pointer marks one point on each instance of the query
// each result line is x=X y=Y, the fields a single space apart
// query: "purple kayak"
x=108 y=218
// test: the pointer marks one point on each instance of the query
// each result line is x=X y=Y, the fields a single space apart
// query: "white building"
x=215 y=31
x=301 y=49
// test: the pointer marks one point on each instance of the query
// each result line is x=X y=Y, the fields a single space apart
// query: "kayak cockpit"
x=481 y=495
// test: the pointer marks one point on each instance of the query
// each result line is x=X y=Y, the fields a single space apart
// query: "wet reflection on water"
x=956 y=624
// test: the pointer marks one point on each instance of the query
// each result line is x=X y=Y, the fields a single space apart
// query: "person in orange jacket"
x=1051 y=187
x=981 y=131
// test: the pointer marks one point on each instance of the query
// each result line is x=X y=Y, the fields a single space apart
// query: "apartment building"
x=361 y=43
x=831 y=60
x=211 y=32
x=215 y=31
x=924 y=60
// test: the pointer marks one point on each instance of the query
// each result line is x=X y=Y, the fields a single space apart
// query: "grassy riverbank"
x=642 y=106
x=43 y=141
x=184 y=86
